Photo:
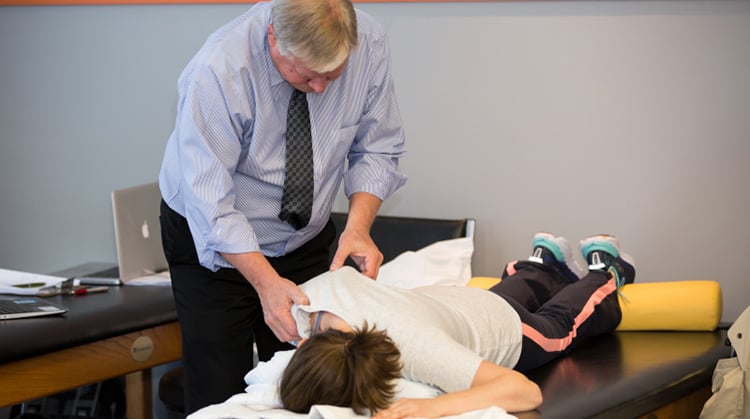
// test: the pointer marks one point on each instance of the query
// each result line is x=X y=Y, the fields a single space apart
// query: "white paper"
x=12 y=282
x=161 y=279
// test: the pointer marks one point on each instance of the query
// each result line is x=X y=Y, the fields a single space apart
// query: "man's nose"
x=318 y=84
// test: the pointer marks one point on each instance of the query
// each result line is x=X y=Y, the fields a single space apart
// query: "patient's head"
x=354 y=369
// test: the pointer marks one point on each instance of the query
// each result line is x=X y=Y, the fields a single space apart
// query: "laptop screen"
x=137 y=231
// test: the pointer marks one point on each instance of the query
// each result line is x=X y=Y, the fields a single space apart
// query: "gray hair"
x=320 y=33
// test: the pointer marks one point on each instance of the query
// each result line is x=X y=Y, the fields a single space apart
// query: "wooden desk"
x=125 y=331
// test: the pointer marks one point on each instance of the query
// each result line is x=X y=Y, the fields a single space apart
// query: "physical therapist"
x=274 y=111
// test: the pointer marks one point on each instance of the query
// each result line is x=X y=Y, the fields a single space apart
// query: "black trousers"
x=220 y=313
x=556 y=313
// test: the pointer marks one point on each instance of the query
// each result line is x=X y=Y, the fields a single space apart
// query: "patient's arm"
x=493 y=385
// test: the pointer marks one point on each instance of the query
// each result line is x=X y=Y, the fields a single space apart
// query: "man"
x=236 y=251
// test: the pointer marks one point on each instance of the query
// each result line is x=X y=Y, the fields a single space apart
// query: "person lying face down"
x=472 y=344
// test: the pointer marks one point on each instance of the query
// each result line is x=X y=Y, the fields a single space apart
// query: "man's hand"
x=277 y=294
x=359 y=245
x=355 y=240
x=277 y=299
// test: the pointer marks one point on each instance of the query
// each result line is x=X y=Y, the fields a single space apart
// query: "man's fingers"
x=339 y=259
x=301 y=300
x=283 y=327
x=366 y=266
x=277 y=307
x=369 y=265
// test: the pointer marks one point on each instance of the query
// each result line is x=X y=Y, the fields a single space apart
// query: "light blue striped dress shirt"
x=223 y=166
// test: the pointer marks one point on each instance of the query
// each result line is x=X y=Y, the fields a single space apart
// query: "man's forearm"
x=363 y=207
x=254 y=267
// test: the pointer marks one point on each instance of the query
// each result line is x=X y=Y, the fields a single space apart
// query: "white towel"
x=447 y=262
x=235 y=408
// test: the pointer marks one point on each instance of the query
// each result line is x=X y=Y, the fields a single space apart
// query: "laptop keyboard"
x=13 y=307
x=9 y=307
x=22 y=307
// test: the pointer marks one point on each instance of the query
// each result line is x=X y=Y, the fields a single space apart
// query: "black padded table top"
x=91 y=317
x=627 y=374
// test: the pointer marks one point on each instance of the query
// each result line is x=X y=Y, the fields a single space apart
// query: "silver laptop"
x=20 y=307
x=137 y=235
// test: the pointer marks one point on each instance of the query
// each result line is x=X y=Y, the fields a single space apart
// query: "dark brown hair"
x=350 y=369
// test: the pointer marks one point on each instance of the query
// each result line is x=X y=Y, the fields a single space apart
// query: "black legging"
x=556 y=313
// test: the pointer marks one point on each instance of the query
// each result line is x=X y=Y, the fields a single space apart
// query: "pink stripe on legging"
x=559 y=344
x=510 y=268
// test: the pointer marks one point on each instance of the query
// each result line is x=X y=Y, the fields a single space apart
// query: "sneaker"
x=552 y=250
x=603 y=253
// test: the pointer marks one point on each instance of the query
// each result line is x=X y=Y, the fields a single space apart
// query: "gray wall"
x=628 y=117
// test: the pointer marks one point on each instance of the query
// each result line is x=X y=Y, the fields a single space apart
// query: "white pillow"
x=446 y=262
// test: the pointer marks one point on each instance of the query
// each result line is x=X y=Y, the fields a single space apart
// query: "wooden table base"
x=131 y=355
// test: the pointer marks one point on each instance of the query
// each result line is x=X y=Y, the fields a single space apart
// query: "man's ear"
x=271 y=36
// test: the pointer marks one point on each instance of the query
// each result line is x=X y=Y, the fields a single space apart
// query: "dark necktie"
x=296 y=203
